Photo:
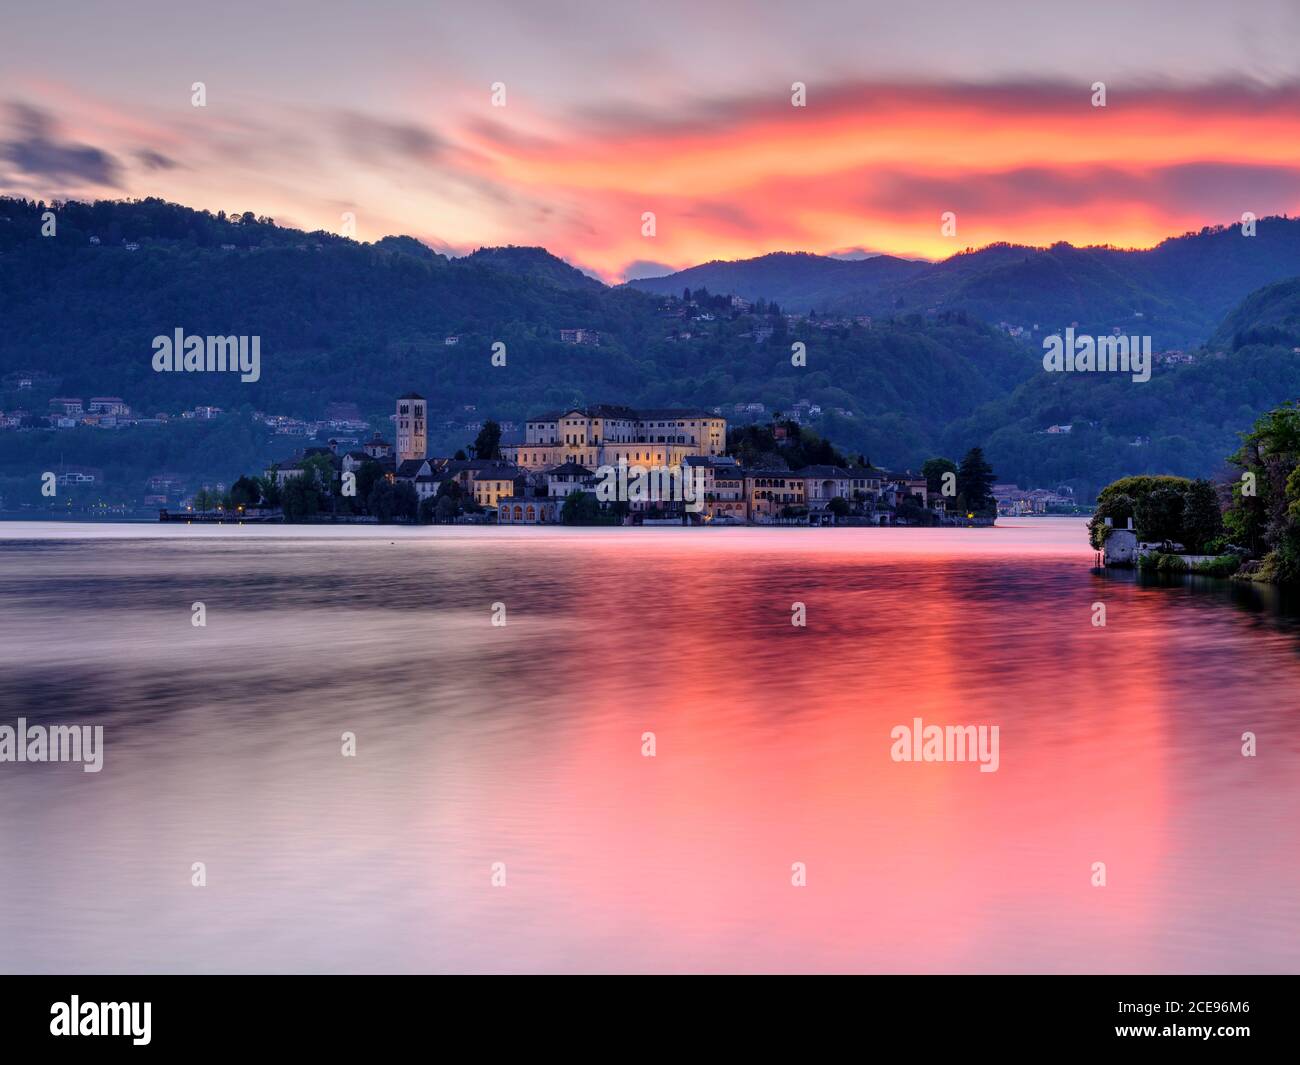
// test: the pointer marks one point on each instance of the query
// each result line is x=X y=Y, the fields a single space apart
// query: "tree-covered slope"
x=1177 y=292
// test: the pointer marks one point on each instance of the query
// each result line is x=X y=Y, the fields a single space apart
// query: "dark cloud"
x=367 y=137
x=152 y=160
x=725 y=217
x=35 y=153
x=507 y=137
x=1212 y=189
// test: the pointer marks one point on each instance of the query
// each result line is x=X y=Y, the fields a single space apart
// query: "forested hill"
x=1177 y=292
x=344 y=322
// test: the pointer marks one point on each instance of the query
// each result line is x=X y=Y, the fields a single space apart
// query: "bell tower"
x=412 y=434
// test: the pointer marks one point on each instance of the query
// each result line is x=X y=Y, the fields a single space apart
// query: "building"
x=579 y=336
x=722 y=483
x=283 y=471
x=492 y=483
x=896 y=487
x=166 y=484
x=412 y=428
x=528 y=510
x=563 y=481
x=824 y=483
x=377 y=448
x=484 y=480
x=108 y=405
x=604 y=435
x=69 y=405
x=768 y=493
x=79 y=476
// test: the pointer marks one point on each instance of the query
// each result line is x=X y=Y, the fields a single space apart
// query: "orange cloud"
x=877 y=165
x=863 y=165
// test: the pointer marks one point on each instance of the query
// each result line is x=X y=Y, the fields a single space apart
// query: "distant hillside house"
x=579 y=336
x=73 y=476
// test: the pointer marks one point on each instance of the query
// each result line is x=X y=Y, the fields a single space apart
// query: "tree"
x=1202 y=520
x=975 y=478
x=270 y=489
x=487 y=445
x=1118 y=507
x=300 y=498
x=406 y=502
x=318 y=472
x=444 y=510
x=245 y=492
x=369 y=473
x=381 y=502
x=1119 y=501
x=839 y=506
x=933 y=471
x=580 y=508
x=1159 y=515
x=1266 y=516
x=427 y=506
x=457 y=500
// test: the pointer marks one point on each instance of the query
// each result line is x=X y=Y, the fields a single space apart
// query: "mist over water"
x=522 y=744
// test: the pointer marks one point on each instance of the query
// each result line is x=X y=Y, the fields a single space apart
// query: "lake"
x=514 y=753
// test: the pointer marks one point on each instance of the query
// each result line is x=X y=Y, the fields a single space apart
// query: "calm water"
x=522 y=744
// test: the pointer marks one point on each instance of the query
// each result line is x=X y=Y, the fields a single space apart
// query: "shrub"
x=1223 y=566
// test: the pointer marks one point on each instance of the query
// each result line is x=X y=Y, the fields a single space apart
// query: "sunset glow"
x=573 y=160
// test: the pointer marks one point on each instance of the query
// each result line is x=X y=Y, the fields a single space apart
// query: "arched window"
x=519 y=513
x=532 y=513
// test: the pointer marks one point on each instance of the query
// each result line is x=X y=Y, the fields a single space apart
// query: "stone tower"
x=412 y=428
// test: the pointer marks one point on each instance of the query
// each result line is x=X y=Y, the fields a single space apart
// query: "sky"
x=391 y=115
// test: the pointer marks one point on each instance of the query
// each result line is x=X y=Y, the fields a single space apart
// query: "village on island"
x=610 y=464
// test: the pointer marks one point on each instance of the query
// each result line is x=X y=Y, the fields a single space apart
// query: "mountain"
x=535 y=263
x=798 y=281
x=1177 y=292
x=341 y=322
x=344 y=322
x=1268 y=316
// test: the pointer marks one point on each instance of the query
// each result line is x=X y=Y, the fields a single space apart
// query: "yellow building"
x=491 y=486
x=604 y=435
x=769 y=492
